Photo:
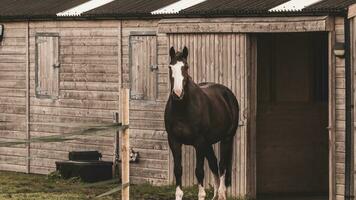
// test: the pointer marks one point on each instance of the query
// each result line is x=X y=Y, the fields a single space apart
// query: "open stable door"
x=292 y=116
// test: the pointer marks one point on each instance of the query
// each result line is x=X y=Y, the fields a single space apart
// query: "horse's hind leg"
x=225 y=165
x=199 y=170
x=213 y=165
x=176 y=149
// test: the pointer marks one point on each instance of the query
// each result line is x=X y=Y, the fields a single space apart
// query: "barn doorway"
x=292 y=116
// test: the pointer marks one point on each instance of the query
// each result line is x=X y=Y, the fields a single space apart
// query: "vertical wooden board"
x=144 y=62
x=252 y=58
x=203 y=58
x=216 y=58
x=49 y=67
x=153 y=77
x=55 y=80
x=199 y=58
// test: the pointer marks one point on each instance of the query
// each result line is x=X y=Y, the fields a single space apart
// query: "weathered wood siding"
x=13 y=96
x=219 y=58
x=340 y=97
x=95 y=57
x=88 y=89
x=147 y=132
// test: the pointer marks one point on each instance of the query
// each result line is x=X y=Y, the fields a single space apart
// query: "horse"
x=200 y=115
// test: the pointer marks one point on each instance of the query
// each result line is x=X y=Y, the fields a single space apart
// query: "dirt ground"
x=19 y=186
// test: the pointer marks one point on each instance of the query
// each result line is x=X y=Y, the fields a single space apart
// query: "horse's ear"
x=172 y=52
x=185 y=52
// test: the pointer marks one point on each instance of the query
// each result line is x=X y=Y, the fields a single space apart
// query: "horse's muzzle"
x=176 y=97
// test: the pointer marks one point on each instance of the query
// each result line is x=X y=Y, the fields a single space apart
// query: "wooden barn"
x=291 y=66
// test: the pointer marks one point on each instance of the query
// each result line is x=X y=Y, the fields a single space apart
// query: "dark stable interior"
x=292 y=116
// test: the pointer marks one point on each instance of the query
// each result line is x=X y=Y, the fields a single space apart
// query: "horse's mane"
x=205 y=85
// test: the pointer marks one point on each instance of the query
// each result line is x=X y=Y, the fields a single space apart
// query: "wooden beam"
x=352 y=11
x=28 y=133
x=116 y=146
x=246 y=25
x=125 y=149
x=332 y=105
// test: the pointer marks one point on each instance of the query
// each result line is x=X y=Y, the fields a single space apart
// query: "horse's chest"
x=183 y=132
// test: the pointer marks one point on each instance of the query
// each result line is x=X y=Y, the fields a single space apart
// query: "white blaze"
x=178 y=78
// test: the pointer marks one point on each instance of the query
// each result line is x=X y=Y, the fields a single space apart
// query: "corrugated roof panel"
x=27 y=8
x=130 y=7
x=330 y=5
x=78 y=10
x=294 y=5
x=233 y=6
x=177 y=7
x=262 y=7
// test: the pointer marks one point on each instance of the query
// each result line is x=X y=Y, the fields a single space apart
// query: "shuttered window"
x=47 y=65
x=143 y=67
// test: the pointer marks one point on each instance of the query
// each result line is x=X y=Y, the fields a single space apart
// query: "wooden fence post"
x=125 y=147
x=116 y=147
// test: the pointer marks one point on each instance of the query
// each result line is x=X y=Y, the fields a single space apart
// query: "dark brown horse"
x=200 y=115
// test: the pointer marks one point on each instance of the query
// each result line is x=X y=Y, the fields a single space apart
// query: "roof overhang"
x=352 y=11
x=247 y=25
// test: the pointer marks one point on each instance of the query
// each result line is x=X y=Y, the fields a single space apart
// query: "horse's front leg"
x=176 y=149
x=199 y=170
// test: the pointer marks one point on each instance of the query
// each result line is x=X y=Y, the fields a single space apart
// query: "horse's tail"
x=235 y=108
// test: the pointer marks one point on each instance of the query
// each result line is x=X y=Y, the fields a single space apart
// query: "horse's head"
x=178 y=72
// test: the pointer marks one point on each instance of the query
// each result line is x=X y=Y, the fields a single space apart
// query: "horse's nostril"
x=178 y=92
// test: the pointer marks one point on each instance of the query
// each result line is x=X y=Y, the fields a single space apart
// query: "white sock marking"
x=179 y=193
x=202 y=194
x=216 y=186
x=222 y=188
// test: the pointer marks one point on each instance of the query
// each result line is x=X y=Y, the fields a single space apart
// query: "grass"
x=19 y=186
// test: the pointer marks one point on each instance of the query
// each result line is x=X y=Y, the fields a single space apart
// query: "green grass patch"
x=19 y=186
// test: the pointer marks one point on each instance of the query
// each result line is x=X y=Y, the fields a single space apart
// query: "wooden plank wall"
x=219 y=58
x=147 y=132
x=340 y=114
x=13 y=96
x=89 y=84
x=89 y=89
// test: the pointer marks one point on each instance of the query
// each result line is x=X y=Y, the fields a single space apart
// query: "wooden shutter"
x=47 y=66
x=143 y=66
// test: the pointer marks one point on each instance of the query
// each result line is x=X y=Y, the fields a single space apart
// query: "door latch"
x=57 y=65
x=154 y=67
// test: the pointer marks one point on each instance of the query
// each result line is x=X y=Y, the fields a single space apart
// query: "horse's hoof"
x=221 y=196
